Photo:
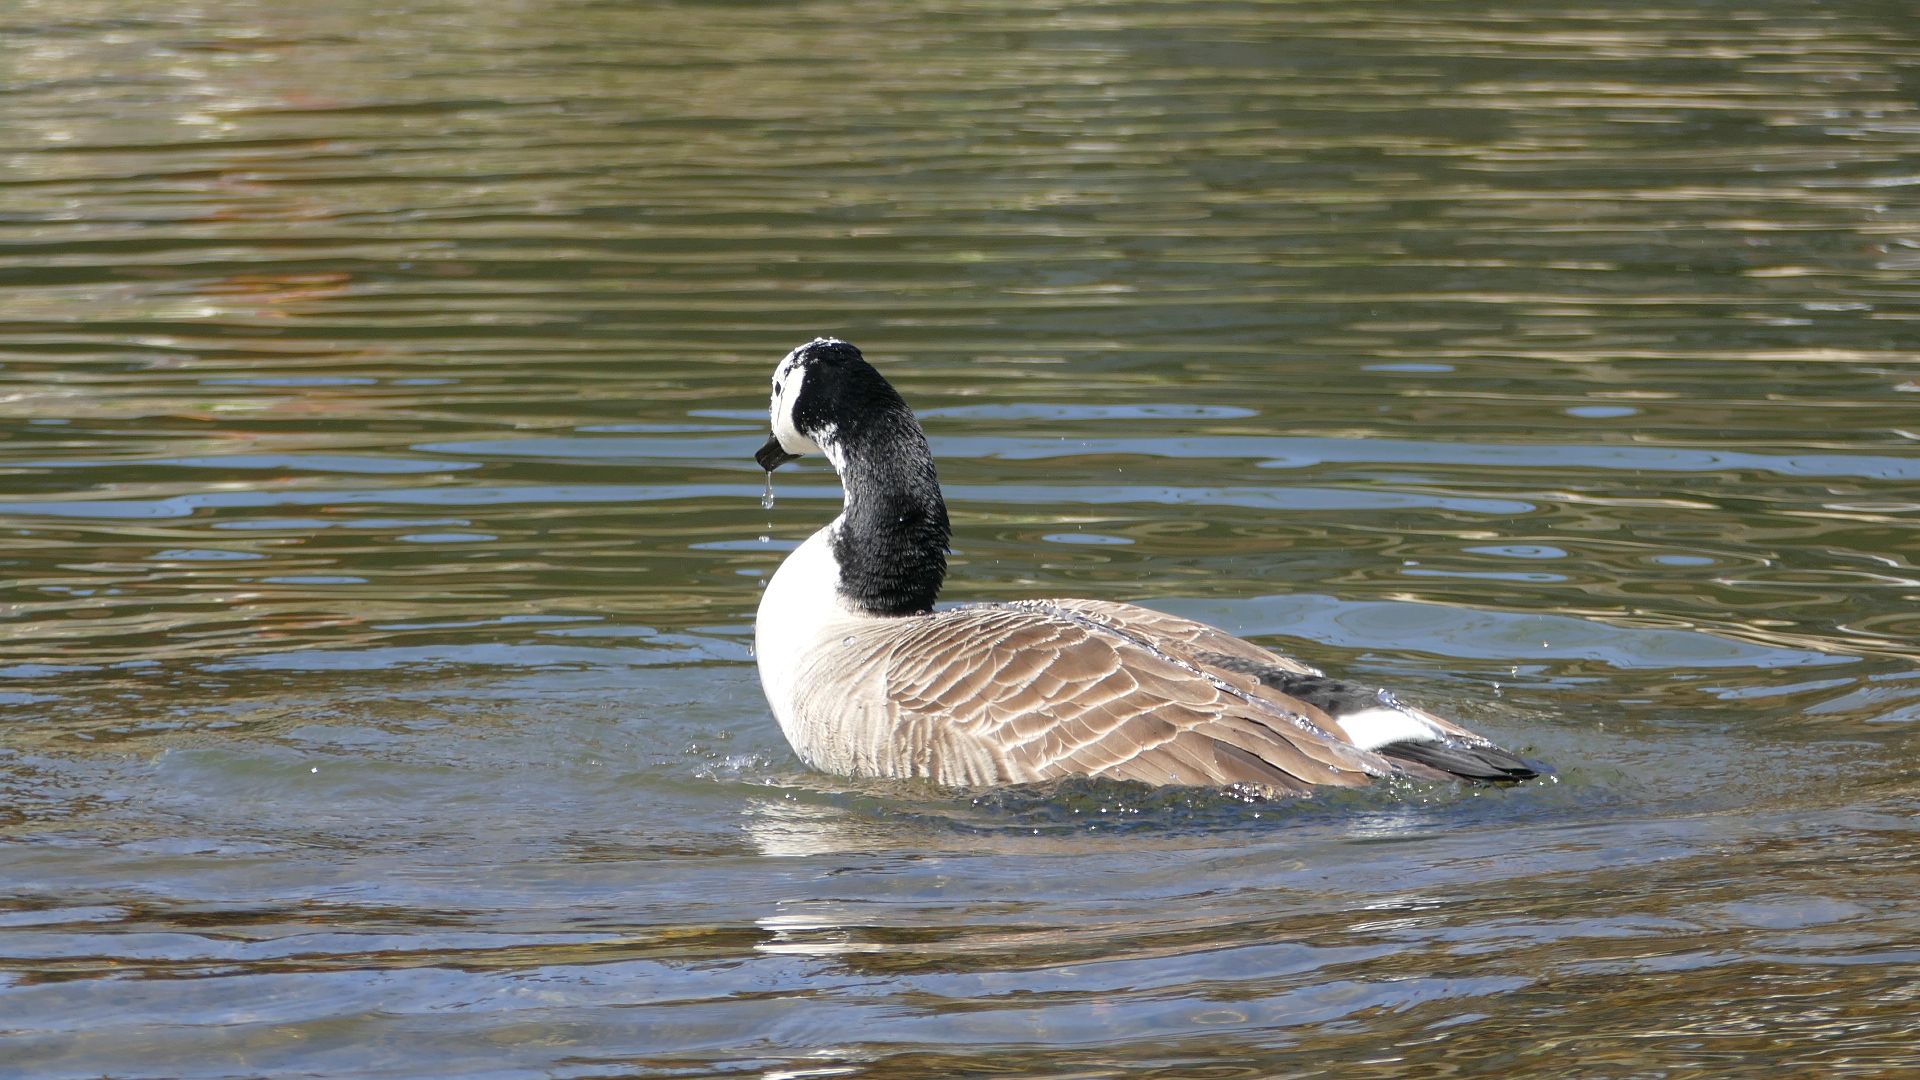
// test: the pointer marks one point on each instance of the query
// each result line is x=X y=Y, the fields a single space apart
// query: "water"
x=381 y=384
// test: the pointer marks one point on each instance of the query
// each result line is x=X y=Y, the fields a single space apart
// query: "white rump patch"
x=1371 y=729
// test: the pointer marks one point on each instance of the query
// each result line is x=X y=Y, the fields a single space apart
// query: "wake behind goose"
x=866 y=679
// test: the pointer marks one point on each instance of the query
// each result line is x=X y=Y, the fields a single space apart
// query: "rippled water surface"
x=382 y=542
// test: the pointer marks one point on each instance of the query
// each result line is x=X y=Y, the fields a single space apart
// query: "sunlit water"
x=381 y=383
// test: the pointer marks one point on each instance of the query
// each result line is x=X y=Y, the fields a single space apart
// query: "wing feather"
x=1280 y=753
x=1183 y=638
x=1036 y=689
x=1046 y=694
x=1262 y=673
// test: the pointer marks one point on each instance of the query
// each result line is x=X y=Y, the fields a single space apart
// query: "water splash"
x=766 y=497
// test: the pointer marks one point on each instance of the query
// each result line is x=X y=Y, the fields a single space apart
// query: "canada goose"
x=867 y=679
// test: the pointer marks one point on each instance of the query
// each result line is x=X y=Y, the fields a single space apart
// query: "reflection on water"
x=379 y=392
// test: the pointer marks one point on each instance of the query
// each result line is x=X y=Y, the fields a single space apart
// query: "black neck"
x=892 y=542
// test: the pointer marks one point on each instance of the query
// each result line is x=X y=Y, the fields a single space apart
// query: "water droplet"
x=766 y=497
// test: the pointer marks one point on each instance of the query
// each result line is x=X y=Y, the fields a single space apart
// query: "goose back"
x=1019 y=692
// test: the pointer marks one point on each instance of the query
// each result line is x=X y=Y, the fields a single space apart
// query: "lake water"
x=382 y=543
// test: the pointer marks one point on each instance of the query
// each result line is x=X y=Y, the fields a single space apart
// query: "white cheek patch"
x=786 y=391
x=1371 y=729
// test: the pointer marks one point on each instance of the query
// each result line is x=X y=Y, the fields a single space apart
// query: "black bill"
x=773 y=455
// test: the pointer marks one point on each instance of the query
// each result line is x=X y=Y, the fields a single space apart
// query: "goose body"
x=866 y=679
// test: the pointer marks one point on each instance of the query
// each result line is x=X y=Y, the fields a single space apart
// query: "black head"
x=825 y=398
x=891 y=542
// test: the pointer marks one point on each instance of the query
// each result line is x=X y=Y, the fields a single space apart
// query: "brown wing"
x=1194 y=642
x=1209 y=650
x=1049 y=693
x=1215 y=651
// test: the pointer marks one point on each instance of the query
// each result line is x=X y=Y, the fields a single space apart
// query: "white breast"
x=800 y=614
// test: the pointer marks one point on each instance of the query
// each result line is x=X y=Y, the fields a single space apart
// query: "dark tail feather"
x=1487 y=764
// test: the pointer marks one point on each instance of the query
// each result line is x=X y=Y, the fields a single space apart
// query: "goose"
x=866 y=678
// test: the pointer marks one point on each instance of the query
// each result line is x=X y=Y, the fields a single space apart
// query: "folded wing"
x=1052 y=692
x=1419 y=743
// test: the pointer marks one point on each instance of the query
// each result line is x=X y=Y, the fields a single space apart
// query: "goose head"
x=826 y=399
x=889 y=543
